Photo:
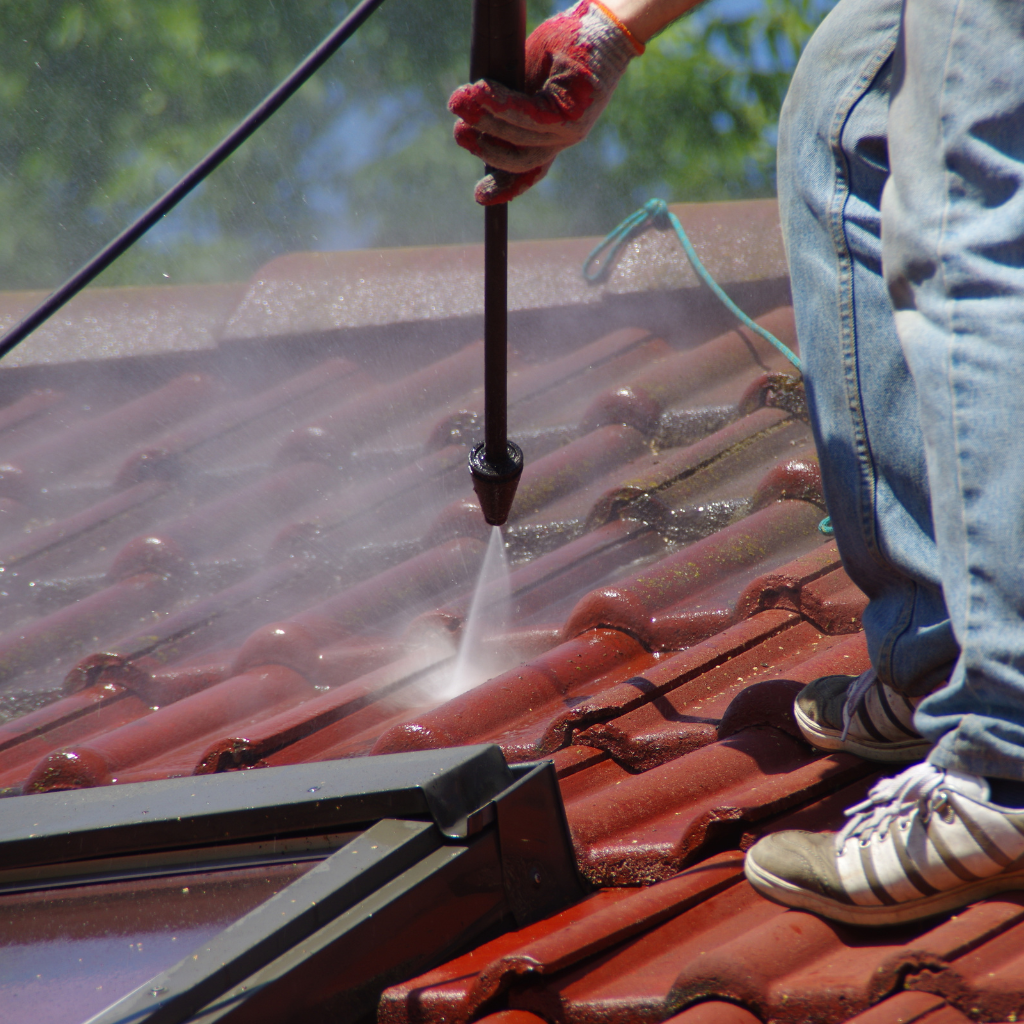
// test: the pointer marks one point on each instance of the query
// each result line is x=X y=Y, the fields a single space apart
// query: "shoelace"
x=890 y=799
x=855 y=696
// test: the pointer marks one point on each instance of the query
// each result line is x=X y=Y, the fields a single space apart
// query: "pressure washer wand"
x=498 y=53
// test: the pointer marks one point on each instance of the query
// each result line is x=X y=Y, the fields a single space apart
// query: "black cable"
x=273 y=102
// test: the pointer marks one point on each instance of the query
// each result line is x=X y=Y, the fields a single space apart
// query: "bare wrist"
x=644 y=19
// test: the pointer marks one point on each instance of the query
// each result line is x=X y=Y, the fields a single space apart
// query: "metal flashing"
x=451 y=787
x=458 y=822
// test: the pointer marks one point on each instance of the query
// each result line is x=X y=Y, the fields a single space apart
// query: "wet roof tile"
x=641 y=954
x=208 y=571
x=910 y=1007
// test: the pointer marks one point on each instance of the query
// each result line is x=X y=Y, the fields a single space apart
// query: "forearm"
x=646 y=18
x=574 y=60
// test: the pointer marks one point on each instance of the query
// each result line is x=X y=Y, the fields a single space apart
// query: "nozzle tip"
x=495 y=481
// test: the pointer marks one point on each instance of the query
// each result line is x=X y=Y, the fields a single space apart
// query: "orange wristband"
x=610 y=15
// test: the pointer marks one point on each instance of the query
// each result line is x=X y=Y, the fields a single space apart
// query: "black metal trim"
x=452 y=787
x=162 y=863
x=422 y=917
x=537 y=856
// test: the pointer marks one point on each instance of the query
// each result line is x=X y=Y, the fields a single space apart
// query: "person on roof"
x=901 y=193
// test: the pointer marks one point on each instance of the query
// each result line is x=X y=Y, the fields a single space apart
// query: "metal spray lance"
x=497 y=53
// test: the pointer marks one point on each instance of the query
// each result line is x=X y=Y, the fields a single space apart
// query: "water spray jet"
x=498 y=53
x=488 y=619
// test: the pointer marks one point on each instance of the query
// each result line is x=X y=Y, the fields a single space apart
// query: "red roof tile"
x=910 y=1007
x=705 y=934
x=216 y=574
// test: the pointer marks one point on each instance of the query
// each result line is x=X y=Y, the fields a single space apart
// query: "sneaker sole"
x=897 y=751
x=780 y=891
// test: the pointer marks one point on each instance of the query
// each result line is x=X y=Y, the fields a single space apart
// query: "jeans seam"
x=950 y=308
x=945 y=750
x=867 y=490
x=884 y=669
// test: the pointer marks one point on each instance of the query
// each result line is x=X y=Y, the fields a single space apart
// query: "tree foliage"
x=107 y=102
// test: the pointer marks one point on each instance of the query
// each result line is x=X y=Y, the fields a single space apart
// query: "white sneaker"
x=924 y=842
x=861 y=715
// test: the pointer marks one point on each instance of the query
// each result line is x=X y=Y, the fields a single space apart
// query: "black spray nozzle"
x=495 y=482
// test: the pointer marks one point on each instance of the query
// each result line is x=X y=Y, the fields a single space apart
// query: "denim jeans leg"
x=953 y=252
x=833 y=166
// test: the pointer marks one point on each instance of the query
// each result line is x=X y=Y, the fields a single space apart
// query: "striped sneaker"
x=861 y=715
x=924 y=842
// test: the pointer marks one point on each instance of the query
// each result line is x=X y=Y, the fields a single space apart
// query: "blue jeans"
x=901 y=186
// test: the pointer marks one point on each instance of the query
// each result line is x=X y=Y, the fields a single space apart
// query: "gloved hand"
x=573 y=63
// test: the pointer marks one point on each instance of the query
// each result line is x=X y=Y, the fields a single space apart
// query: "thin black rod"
x=496 y=333
x=273 y=102
x=498 y=52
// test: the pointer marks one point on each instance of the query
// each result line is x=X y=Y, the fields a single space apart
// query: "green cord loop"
x=825 y=526
x=656 y=212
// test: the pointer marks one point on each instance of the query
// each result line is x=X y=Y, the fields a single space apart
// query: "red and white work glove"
x=573 y=63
